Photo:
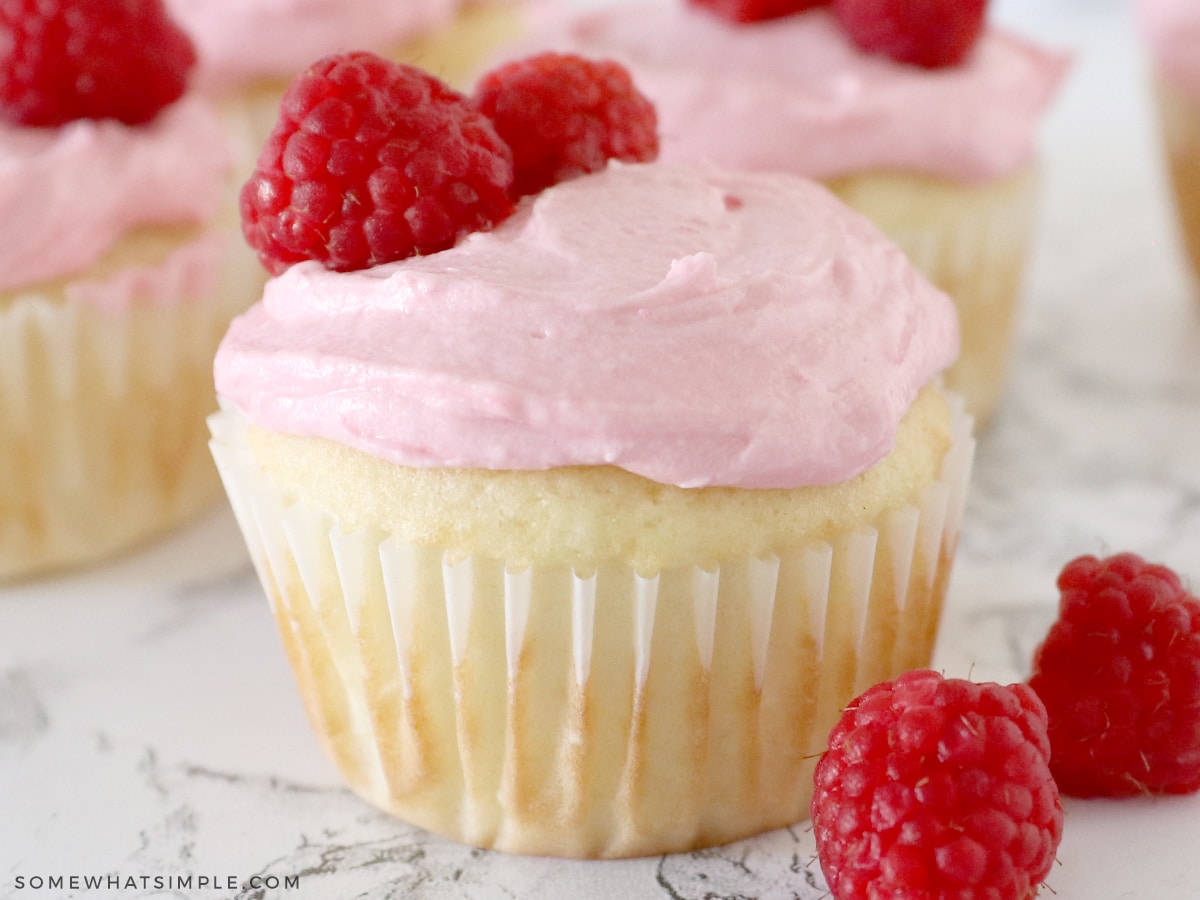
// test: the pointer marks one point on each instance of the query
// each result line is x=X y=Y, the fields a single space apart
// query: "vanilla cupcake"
x=580 y=533
x=942 y=159
x=251 y=49
x=1172 y=31
x=117 y=279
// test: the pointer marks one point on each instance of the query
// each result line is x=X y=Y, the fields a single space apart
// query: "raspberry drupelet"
x=1119 y=672
x=937 y=789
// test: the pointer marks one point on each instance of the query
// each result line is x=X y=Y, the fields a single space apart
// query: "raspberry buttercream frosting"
x=691 y=326
x=795 y=94
x=1172 y=29
x=240 y=40
x=70 y=193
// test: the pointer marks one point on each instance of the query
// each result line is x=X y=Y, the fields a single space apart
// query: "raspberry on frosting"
x=373 y=161
x=1119 y=672
x=62 y=60
x=928 y=33
x=937 y=788
x=757 y=10
x=565 y=116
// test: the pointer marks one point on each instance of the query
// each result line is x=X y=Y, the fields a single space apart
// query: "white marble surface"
x=149 y=726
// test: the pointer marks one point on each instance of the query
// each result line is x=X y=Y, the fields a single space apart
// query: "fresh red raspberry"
x=928 y=33
x=1119 y=673
x=757 y=10
x=565 y=116
x=937 y=789
x=372 y=161
x=62 y=60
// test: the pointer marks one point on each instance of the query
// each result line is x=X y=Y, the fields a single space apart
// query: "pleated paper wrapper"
x=602 y=713
x=103 y=404
x=973 y=242
x=1179 y=113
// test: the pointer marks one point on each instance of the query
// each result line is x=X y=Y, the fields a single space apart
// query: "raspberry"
x=928 y=33
x=937 y=789
x=62 y=60
x=1119 y=672
x=757 y=10
x=565 y=116
x=372 y=161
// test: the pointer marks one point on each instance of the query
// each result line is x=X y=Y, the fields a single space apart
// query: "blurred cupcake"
x=580 y=531
x=250 y=49
x=116 y=281
x=1172 y=29
x=938 y=149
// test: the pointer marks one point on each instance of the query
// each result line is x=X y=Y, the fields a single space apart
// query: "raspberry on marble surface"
x=1119 y=672
x=937 y=789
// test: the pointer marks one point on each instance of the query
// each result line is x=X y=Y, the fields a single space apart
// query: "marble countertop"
x=149 y=726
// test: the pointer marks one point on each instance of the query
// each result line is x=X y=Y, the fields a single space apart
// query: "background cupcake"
x=937 y=147
x=1172 y=30
x=250 y=49
x=116 y=281
x=580 y=531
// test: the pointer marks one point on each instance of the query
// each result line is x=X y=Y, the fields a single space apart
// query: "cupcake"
x=118 y=278
x=251 y=49
x=580 y=531
x=939 y=152
x=1172 y=30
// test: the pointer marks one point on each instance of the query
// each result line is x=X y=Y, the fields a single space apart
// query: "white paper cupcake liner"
x=973 y=243
x=102 y=407
x=592 y=714
x=1179 y=113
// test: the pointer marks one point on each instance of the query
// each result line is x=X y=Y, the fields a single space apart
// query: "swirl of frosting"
x=70 y=193
x=688 y=325
x=795 y=95
x=1172 y=29
x=240 y=40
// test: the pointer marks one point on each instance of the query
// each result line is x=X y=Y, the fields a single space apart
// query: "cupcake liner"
x=1180 y=118
x=972 y=242
x=102 y=406
x=596 y=713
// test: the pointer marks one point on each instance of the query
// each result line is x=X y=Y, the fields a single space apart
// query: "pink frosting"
x=692 y=326
x=793 y=94
x=248 y=39
x=70 y=193
x=1172 y=29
